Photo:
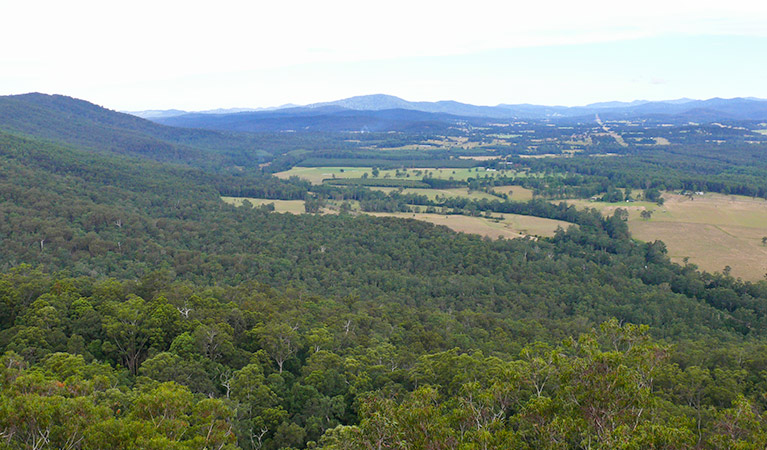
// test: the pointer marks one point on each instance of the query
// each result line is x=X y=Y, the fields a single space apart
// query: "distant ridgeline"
x=138 y=310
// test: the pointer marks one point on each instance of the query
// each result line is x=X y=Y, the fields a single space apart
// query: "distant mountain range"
x=388 y=113
x=737 y=108
x=55 y=115
x=321 y=118
x=161 y=113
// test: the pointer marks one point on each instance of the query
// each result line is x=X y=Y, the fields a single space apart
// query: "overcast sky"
x=203 y=55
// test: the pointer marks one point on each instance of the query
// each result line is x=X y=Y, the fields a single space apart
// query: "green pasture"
x=315 y=175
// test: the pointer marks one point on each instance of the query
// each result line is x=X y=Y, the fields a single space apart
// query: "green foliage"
x=137 y=310
x=252 y=367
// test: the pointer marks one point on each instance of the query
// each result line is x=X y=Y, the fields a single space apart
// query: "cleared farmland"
x=512 y=225
x=315 y=175
x=517 y=193
x=434 y=193
x=289 y=206
x=712 y=230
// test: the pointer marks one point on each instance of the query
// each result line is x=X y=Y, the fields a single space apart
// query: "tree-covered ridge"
x=155 y=363
x=61 y=119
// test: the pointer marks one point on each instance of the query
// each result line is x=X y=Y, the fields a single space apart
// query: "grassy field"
x=408 y=147
x=480 y=158
x=517 y=193
x=316 y=174
x=535 y=226
x=434 y=193
x=289 y=206
x=512 y=225
x=713 y=230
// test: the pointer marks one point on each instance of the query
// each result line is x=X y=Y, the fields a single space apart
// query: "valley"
x=285 y=289
x=383 y=226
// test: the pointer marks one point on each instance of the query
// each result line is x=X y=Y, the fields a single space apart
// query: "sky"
x=194 y=55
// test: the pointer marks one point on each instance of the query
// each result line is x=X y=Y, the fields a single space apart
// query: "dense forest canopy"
x=138 y=310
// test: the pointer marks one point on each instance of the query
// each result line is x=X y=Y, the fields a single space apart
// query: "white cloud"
x=76 y=45
x=196 y=36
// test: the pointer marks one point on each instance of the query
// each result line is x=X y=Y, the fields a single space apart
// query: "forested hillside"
x=138 y=310
x=85 y=125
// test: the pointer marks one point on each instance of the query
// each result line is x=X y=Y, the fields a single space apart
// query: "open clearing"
x=517 y=193
x=434 y=193
x=713 y=230
x=512 y=225
x=289 y=206
x=315 y=175
x=407 y=147
x=547 y=155
x=480 y=158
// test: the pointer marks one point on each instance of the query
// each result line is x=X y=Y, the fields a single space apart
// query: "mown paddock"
x=516 y=193
x=315 y=175
x=289 y=206
x=434 y=193
x=712 y=230
x=512 y=225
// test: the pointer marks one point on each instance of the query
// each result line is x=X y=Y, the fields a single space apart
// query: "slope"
x=86 y=125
